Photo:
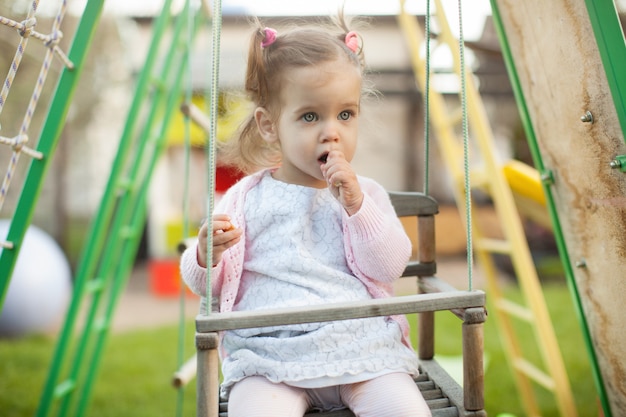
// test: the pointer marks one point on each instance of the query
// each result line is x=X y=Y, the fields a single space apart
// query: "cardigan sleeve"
x=192 y=273
x=376 y=242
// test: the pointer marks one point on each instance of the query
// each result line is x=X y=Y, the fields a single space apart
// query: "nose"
x=330 y=132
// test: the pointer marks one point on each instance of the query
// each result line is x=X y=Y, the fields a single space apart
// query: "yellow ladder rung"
x=455 y=117
x=494 y=245
x=64 y=388
x=534 y=373
x=515 y=309
x=480 y=179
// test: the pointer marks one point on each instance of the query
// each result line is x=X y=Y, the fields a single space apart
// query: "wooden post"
x=426 y=335
x=426 y=238
x=208 y=376
x=186 y=372
x=473 y=371
x=426 y=254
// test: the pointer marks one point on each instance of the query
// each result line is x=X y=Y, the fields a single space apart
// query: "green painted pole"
x=546 y=184
x=610 y=39
x=50 y=133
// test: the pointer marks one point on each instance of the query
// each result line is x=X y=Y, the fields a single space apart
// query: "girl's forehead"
x=327 y=85
x=323 y=72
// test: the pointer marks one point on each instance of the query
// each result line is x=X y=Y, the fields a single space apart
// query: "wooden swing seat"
x=443 y=394
x=439 y=404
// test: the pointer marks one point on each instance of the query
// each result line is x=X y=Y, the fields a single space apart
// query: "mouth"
x=323 y=158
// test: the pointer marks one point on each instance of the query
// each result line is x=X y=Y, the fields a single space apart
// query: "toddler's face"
x=319 y=109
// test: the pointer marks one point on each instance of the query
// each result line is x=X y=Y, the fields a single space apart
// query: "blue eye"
x=309 y=117
x=345 y=115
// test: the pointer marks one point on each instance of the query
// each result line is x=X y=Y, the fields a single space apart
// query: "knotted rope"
x=214 y=95
x=26 y=30
x=464 y=127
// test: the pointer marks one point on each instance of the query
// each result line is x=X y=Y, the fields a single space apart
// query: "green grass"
x=134 y=378
x=136 y=370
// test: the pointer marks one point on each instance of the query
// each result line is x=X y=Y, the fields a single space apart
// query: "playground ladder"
x=490 y=179
x=47 y=143
x=117 y=228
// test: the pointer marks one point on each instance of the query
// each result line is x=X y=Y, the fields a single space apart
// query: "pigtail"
x=250 y=152
x=255 y=72
x=347 y=36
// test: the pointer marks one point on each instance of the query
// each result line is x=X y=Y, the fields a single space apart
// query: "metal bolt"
x=581 y=263
x=547 y=178
x=587 y=117
x=615 y=164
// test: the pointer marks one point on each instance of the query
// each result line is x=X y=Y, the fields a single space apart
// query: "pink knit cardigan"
x=376 y=247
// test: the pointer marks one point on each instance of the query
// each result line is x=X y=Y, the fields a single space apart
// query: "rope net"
x=18 y=142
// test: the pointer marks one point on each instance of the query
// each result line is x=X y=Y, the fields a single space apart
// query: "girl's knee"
x=392 y=395
x=256 y=396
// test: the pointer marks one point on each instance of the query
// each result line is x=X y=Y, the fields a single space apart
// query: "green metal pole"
x=48 y=141
x=99 y=226
x=610 y=39
x=546 y=184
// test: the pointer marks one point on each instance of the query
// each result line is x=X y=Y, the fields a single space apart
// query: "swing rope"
x=427 y=103
x=216 y=23
x=187 y=158
x=464 y=128
x=466 y=168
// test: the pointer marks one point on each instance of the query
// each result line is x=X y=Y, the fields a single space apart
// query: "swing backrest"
x=423 y=208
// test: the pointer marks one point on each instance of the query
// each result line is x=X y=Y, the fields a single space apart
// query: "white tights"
x=391 y=395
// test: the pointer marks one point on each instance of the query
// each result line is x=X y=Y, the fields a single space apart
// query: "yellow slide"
x=525 y=183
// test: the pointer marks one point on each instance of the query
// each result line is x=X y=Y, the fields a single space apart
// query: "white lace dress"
x=294 y=256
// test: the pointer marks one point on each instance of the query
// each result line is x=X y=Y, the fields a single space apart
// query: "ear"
x=265 y=124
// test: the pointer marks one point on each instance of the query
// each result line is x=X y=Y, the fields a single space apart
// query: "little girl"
x=302 y=228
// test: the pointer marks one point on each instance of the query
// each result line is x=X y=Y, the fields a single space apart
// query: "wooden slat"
x=438 y=403
x=515 y=309
x=421 y=269
x=339 y=311
x=536 y=374
x=413 y=204
x=449 y=386
x=500 y=246
x=433 y=285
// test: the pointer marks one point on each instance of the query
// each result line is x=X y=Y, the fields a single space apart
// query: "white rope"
x=26 y=31
x=215 y=70
x=468 y=190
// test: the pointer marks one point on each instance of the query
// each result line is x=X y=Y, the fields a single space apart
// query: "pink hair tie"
x=352 y=41
x=270 y=37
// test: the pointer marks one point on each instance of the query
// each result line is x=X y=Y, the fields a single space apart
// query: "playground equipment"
x=575 y=121
x=490 y=178
x=571 y=94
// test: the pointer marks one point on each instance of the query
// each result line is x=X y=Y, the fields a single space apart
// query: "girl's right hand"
x=225 y=235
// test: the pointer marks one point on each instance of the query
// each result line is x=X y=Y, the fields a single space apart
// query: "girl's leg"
x=256 y=396
x=392 y=395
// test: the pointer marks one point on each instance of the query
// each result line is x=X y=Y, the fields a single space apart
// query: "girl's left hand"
x=343 y=182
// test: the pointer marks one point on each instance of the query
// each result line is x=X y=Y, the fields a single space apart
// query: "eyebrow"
x=308 y=107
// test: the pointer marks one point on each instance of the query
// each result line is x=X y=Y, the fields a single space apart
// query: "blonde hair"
x=299 y=46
